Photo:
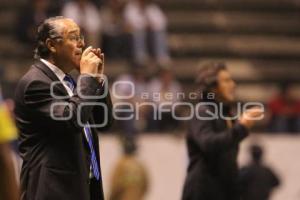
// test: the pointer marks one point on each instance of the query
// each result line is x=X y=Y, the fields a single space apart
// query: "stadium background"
x=260 y=42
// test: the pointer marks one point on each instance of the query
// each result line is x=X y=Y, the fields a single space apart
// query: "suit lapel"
x=46 y=70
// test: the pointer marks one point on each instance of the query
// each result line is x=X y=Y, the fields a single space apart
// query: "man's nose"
x=81 y=44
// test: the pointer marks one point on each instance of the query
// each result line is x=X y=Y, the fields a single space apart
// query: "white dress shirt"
x=60 y=75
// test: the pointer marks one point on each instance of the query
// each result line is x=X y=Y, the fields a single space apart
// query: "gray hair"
x=47 y=29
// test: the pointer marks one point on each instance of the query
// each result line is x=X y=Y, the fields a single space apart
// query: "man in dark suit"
x=213 y=140
x=57 y=120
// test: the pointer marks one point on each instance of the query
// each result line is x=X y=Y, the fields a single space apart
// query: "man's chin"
x=76 y=65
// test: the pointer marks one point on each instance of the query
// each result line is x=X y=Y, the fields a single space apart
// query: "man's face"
x=225 y=87
x=69 y=50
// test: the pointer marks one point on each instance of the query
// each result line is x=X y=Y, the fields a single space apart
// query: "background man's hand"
x=250 y=116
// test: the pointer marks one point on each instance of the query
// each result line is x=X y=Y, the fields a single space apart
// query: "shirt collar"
x=58 y=72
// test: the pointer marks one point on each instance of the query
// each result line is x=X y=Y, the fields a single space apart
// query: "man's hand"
x=98 y=53
x=251 y=115
x=90 y=62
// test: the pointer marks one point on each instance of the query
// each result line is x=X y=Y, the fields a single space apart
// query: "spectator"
x=87 y=16
x=285 y=111
x=129 y=179
x=257 y=180
x=164 y=92
x=143 y=18
x=8 y=185
x=115 y=37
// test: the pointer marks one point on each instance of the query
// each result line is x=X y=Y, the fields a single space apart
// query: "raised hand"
x=250 y=116
x=90 y=62
x=98 y=53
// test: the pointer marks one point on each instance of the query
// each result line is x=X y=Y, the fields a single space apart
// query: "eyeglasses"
x=76 y=38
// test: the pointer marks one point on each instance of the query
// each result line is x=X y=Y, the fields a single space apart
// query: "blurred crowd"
x=130 y=29
x=136 y=31
x=284 y=111
x=151 y=100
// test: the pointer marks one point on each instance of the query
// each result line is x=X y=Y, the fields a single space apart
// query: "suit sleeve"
x=102 y=115
x=209 y=140
x=47 y=109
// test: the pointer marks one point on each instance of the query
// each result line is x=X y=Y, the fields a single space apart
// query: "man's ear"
x=50 y=45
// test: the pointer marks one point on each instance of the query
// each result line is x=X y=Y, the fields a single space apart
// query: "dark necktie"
x=88 y=133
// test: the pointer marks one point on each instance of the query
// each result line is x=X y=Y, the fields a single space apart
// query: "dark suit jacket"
x=212 y=148
x=55 y=152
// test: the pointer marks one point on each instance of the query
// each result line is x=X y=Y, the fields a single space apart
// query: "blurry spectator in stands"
x=130 y=178
x=285 y=111
x=164 y=91
x=144 y=18
x=87 y=16
x=131 y=85
x=30 y=17
x=257 y=180
x=115 y=38
x=8 y=133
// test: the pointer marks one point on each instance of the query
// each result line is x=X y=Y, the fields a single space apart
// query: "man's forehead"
x=68 y=26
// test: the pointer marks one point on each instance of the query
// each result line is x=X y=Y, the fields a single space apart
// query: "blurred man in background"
x=213 y=143
x=257 y=180
x=8 y=133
